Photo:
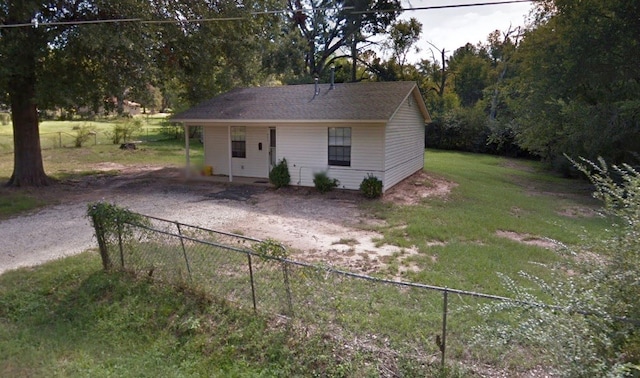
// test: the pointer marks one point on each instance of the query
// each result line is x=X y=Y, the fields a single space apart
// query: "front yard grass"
x=458 y=236
x=68 y=318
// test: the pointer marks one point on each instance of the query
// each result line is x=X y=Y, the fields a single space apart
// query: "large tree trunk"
x=27 y=167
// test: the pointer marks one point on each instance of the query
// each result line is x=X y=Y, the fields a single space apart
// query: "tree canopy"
x=94 y=53
x=569 y=84
x=329 y=26
x=578 y=84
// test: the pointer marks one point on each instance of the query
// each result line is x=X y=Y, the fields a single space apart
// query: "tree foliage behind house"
x=327 y=27
x=568 y=84
x=578 y=84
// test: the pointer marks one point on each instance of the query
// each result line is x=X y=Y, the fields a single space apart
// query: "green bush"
x=83 y=134
x=4 y=119
x=279 y=175
x=112 y=225
x=324 y=183
x=272 y=248
x=371 y=186
x=125 y=129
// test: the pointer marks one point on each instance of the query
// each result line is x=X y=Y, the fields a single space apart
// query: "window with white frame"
x=238 y=142
x=340 y=146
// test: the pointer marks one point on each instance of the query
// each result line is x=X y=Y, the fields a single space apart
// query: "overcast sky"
x=452 y=28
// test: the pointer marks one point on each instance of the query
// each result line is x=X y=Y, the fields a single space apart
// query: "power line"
x=432 y=7
x=35 y=23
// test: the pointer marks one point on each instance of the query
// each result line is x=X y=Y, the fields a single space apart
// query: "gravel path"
x=326 y=228
x=49 y=234
x=63 y=229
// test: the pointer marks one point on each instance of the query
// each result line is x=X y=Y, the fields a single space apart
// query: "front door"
x=272 y=148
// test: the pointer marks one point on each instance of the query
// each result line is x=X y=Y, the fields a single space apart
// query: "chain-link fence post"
x=443 y=341
x=120 y=243
x=287 y=286
x=102 y=242
x=184 y=251
x=253 y=289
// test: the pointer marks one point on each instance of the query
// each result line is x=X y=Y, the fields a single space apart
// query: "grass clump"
x=125 y=129
x=83 y=134
x=14 y=202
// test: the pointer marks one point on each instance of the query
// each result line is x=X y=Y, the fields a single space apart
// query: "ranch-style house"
x=348 y=130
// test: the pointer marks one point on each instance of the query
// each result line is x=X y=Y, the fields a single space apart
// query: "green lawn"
x=156 y=146
x=457 y=235
x=67 y=318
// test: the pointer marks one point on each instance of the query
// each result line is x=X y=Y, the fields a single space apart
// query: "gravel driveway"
x=63 y=229
x=329 y=228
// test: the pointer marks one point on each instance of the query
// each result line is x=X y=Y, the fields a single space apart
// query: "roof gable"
x=374 y=101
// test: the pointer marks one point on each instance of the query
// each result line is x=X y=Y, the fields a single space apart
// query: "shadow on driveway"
x=237 y=192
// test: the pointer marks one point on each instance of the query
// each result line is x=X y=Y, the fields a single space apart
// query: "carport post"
x=230 y=155
x=186 y=145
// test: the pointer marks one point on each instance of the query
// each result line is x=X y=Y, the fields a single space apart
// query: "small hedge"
x=324 y=183
x=112 y=225
x=371 y=186
x=279 y=175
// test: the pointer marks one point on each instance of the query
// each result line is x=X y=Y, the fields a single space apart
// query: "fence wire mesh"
x=388 y=319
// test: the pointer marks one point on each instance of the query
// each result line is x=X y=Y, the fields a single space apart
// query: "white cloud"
x=454 y=27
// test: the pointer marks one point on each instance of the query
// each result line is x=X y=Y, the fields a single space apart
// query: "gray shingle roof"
x=347 y=101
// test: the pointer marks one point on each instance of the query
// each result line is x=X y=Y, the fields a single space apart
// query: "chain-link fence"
x=62 y=139
x=395 y=321
x=48 y=140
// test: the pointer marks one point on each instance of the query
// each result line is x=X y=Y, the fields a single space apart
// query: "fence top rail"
x=329 y=269
x=204 y=229
x=205 y=242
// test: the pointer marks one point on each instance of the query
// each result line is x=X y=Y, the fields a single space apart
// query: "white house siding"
x=256 y=164
x=404 y=150
x=216 y=149
x=216 y=146
x=306 y=149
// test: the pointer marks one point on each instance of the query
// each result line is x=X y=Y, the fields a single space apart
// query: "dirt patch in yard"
x=417 y=187
x=528 y=239
x=320 y=228
x=579 y=212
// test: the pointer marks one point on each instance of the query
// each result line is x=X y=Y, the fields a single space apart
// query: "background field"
x=158 y=143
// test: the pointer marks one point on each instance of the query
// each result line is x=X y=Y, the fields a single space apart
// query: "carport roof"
x=365 y=101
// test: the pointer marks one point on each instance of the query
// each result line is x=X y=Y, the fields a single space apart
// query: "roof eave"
x=415 y=92
x=422 y=105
